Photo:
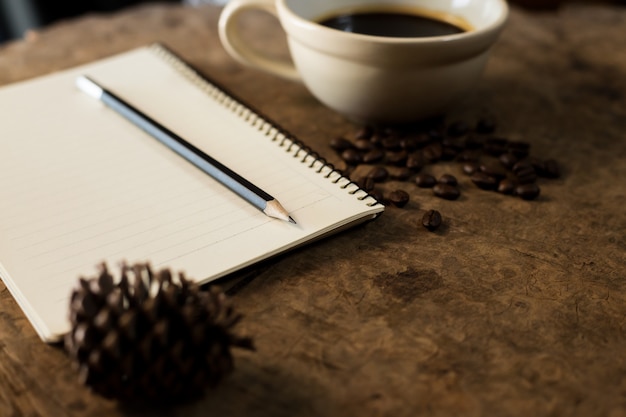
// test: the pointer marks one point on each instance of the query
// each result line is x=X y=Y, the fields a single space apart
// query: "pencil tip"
x=274 y=209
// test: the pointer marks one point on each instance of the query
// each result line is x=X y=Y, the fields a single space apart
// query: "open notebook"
x=80 y=185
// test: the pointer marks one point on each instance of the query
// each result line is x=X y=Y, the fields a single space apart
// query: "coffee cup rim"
x=309 y=25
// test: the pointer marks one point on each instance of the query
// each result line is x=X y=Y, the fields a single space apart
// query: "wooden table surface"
x=513 y=308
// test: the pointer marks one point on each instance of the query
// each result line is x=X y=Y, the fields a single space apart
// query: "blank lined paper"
x=80 y=185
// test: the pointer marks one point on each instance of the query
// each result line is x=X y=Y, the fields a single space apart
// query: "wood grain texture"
x=513 y=308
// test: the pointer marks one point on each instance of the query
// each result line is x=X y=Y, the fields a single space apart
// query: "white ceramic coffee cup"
x=373 y=79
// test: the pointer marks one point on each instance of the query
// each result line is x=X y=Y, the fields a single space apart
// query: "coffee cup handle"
x=237 y=48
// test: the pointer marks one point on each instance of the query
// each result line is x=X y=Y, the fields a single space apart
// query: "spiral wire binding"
x=257 y=120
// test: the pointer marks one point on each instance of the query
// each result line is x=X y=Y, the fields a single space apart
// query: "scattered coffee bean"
x=524 y=172
x=508 y=159
x=484 y=181
x=366 y=183
x=365 y=132
x=431 y=220
x=364 y=145
x=377 y=138
x=391 y=144
x=378 y=174
x=397 y=158
x=373 y=156
x=492 y=162
x=425 y=180
x=351 y=156
x=398 y=198
x=522 y=166
x=340 y=144
x=432 y=153
x=492 y=170
x=448 y=179
x=408 y=144
x=415 y=161
x=538 y=164
x=470 y=167
x=446 y=191
x=506 y=186
x=527 y=191
x=496 y=146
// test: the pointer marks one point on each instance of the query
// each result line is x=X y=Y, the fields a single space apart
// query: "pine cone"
x=150 y=337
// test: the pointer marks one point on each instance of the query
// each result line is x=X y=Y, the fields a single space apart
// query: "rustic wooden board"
x=513 y=308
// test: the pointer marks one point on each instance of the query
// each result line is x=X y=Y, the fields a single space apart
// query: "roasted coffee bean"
x=408 y=144
x=398 y=198
x=340 y=144
x=485 y=125
x=538 y=164
x=351 y=156
x=365 y=132
x=432 y=153
x=506 y=186
x=522 y=166
x=378 y=174
x=524 y=172
x=425 y=180
x=528 y=191
x=364 y=145
x=526 y=176
x=496 y=146
x=470 y=167
x=431 y=220
x=415 y=161
x=373 y=156
x=391 y=144
x=448 y=179
x=551 y=169
x=507 y=160
x=484 y=181
x=397 y=158
x=449 y=192
x=492 y=170
x=457 y=129
x=400 y=173
x=366 y=183
x=377 y=138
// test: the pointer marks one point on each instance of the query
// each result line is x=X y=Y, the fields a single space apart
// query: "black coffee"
x=391 y=24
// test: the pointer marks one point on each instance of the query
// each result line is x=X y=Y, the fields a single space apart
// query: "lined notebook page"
x=80 y=185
